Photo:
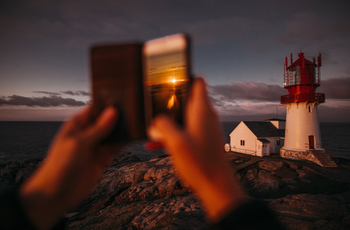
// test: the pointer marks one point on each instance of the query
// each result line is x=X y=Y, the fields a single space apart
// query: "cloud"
x=76 y=93
x=256 y=100
x=308 y=29
x=247 y=90
x=46 y=92
x=335 y=88
x=52 y=101
x=252 y=112
x=37 y=114
x=247 y=101
x=69 y=92
x=326 y=113
x=221 y=29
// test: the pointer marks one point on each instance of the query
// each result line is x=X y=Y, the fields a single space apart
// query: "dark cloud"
x=84 y=93
x=46 y=92
x=257 y=101
x=335 y=88
x=247 y=90
x=76 y=93
x=52 y=101
x=253 y=112
x=238 y=27
x=327 y=112
x=316 y=33
x=311 y=27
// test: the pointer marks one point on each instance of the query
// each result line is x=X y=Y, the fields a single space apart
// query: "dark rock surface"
x=13 y=173
x=148 y=195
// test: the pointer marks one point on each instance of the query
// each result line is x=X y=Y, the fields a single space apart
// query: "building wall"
x=302 y=122
x=259 y=148
x=274 y=148
x=263 y=149
x=279 y=124
x=242 y=133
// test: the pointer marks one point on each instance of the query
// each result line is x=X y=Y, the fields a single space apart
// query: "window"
x=242 y=142
x=309 y=109
x=278 y=142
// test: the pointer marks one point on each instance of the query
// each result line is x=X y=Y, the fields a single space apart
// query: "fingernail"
x=154 y=134
x=109 y=115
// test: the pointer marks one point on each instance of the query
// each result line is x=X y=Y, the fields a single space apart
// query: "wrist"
x=41 y=208
x=220 y=191
x=221 y=200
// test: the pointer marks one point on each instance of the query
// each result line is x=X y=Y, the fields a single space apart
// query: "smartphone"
x=117 y=80
x=166 y=77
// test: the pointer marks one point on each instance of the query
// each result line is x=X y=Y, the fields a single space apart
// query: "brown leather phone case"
x=117 y=80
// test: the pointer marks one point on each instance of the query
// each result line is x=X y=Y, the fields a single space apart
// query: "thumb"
x=102 y=126
x=168 y=133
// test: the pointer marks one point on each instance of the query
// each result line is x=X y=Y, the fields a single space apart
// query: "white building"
x=258 y=138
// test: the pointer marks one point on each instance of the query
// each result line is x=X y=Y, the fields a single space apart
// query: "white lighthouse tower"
x=302 y=132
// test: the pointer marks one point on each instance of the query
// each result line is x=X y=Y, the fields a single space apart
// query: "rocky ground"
x=148 y=195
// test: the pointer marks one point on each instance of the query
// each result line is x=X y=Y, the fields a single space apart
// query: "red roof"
x=299 y=61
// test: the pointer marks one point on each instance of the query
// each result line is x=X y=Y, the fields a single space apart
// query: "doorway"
x=311 y=142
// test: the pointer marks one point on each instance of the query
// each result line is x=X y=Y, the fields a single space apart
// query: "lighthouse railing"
x=303 y=97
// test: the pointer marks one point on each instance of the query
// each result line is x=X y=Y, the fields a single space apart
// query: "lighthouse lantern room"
x=302 y=132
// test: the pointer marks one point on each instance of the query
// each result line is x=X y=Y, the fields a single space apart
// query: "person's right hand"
x=197 y=152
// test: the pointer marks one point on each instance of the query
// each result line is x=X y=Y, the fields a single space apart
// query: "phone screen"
x=166 y=77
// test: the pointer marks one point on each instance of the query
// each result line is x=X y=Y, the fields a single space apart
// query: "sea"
x=22 y=140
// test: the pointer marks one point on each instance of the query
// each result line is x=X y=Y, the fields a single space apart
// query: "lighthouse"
x=302 y=131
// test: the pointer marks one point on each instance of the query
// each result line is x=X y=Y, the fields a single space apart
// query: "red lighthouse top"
x=301 y=78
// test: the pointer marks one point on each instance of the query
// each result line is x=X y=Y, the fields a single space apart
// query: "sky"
x=238 y=47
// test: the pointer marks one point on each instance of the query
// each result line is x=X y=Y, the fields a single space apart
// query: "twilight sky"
x=238 y=46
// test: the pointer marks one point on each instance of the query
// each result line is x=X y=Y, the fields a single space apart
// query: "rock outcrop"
x=140 y=195
x=149 y=195
x=16 y=172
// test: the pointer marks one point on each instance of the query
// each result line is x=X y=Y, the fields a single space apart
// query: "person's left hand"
x=75 y=162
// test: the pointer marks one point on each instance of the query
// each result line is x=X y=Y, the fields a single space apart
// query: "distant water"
x=336 y=137
x=21 y=140
x=26 y=140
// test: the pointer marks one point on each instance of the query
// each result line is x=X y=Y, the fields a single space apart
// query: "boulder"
x=9 y=171
x=159 y=199
x=271 y=165
x=266 y=182
x=303 y=211
x=285 y=172
x=252 y=175
x=175 y=213
x=13 y=173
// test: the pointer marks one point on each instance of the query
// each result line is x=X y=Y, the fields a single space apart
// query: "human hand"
x=75 y=162
x=198 y=154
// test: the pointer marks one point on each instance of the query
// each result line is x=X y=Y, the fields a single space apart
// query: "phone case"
x=117 y=80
